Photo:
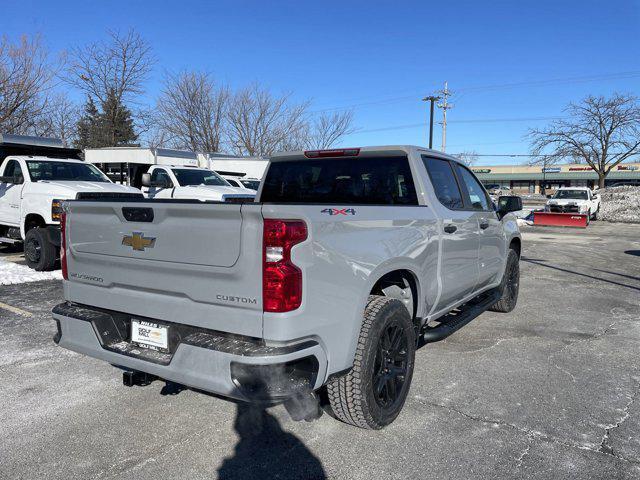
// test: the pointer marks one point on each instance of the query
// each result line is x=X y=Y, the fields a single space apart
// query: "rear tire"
x=372 y=394
x=510 y=285
x=39 y=253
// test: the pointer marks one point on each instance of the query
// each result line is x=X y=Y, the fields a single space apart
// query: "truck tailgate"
x=193 y=263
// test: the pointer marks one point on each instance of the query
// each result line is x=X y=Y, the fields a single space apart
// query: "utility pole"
x=432 y=99
x=445 y=105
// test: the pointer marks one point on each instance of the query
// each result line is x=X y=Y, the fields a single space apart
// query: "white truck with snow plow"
x=32 y=189
x=580 y=200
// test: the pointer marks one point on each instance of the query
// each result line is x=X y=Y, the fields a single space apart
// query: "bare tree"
x=118 y=67
x=469 y=157
x=191 y=112
x=25 y=79
x=261 y=123
x=59 y=119
x=327 y=129
x=113 y=73
x=601 y=131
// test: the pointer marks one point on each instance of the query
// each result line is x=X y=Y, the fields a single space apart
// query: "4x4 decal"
x=339 y=211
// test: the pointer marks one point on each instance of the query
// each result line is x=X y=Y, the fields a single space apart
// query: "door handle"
x=484 y=224
x=450 y=228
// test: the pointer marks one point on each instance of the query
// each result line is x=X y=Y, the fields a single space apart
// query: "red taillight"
x=281 y=279
x=342 y=152
x=63 y=245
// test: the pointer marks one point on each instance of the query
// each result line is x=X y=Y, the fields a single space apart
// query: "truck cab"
x=185 y=182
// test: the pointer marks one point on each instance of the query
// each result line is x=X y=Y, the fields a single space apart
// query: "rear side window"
x=444 y=182
x=363 y=181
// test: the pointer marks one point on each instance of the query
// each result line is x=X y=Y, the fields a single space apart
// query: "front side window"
x=64 y=171
x=252 y=184
x=444 y=182
x=476 y=194
x=160 y=176
x=358 y=181
x=13 y=170
x=189 y=176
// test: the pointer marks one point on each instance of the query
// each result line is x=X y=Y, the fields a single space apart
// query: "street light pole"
x=432 y=99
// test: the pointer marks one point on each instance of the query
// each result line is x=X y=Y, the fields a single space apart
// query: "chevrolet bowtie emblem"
x=137 y=241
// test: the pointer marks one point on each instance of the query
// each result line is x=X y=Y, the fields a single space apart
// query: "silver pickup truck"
x=345 y=263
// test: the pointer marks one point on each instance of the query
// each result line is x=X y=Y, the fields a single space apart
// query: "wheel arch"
x=33 y=220
x=395 y=277
x=516 y=244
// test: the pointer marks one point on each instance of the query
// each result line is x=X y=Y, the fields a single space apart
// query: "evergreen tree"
x=110 y=127
x=88 y=126
x=116 y=123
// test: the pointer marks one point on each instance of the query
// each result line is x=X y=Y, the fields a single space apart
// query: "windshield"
x=252 y=184
x=571 y=194
x=188 y=176
x=65 y=171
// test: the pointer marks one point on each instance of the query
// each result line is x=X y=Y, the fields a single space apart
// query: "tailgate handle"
x=138 y=214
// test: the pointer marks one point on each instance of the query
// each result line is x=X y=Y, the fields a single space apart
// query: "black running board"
x=452 y=322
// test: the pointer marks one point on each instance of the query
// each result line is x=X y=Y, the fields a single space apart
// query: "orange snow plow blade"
x=560 y=219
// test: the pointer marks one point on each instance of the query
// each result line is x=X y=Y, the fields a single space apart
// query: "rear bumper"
x=234 y=366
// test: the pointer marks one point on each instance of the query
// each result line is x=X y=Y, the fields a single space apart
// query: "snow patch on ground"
x=620 y=204
x=12 y=273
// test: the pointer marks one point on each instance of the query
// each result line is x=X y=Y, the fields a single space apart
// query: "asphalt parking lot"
x=547 y=391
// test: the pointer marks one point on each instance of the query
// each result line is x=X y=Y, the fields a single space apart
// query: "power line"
x=469 y=120
x=480 y=88
x=526 y=154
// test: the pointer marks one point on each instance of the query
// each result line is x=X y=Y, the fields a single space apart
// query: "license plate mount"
x=150 y=335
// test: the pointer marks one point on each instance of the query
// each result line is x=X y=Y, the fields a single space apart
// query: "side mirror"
x=549 y=196
x=6 y=179
x=508 y=203
x=146 y=179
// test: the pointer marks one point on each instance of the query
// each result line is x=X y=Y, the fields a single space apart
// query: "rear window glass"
x=364 y=181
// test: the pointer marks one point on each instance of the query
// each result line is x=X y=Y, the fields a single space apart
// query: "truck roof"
x=41 y=158
x=371 y=151
x=574 y=188
x=140 y=155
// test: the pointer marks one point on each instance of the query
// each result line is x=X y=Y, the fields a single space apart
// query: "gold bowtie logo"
x=137 y=241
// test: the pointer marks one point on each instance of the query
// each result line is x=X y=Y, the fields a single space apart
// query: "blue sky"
x=504 y=60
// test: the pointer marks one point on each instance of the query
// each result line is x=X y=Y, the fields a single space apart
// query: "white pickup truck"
x=184 y=182
x=32 y=189
x=579 y=200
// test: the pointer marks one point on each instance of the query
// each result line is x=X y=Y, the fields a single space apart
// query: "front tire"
x=39 y=253
x=510 y=285
x=372 y=394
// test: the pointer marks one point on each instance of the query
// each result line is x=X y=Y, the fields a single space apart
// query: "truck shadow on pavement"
x=265 y=450
x=542 y=263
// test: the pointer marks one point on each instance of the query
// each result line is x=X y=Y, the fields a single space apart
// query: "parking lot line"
x=16 y=310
